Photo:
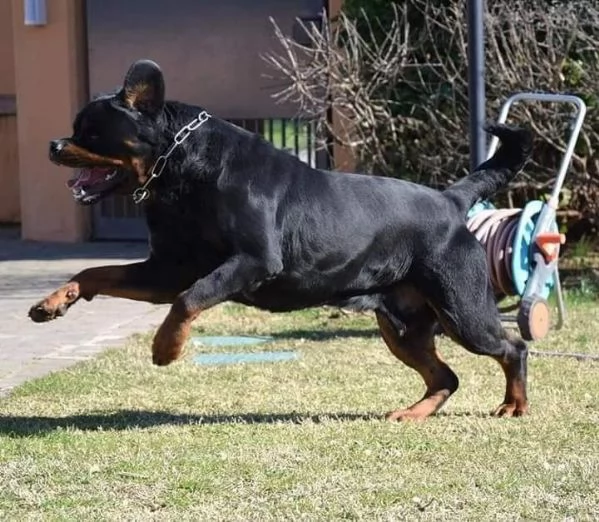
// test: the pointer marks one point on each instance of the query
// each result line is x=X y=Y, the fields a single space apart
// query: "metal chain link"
x=142 y=193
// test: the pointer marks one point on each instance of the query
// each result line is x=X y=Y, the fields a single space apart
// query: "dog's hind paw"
x=404 y=415
x=512 y=409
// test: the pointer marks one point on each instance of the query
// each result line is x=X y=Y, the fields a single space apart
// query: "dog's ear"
x=143 y=88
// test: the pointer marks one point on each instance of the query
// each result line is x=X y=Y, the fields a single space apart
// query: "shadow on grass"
x=326 y=335
x=27 y=426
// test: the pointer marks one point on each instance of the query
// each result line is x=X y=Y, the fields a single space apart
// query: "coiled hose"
x=495 y=229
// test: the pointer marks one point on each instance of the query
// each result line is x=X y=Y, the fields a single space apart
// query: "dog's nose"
x=55 y=147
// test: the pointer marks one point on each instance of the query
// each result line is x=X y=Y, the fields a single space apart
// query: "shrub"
x=395 y=76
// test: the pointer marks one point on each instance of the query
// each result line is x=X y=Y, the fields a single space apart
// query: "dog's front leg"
x=233 y=276
x=146 y=281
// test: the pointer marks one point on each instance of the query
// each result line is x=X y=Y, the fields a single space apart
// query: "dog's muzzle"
x=56 y=147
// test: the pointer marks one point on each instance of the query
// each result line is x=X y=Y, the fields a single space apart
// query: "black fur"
x=234 y=219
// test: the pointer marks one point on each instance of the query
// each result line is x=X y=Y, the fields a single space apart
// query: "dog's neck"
x=189 y=162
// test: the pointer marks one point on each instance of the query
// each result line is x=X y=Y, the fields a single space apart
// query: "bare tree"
x=400 y=95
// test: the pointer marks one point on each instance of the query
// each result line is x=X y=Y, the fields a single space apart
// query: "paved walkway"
x=29 y=271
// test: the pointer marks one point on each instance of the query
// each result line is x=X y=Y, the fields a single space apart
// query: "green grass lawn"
x=118 y=439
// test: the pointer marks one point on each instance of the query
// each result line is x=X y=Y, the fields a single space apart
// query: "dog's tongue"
x=88 y=176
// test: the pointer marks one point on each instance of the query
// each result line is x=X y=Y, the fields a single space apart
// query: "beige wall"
x=9 y=168
x=50 y=73
x=9 y=171
x=7 y=69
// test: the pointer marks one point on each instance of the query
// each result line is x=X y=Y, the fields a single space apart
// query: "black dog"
x=233 y=218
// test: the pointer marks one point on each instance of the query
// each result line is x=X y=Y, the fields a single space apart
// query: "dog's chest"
x=186 y=237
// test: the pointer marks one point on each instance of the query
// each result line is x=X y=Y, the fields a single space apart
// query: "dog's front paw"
x=169 y=340
x=56 y=304
x=165 y=351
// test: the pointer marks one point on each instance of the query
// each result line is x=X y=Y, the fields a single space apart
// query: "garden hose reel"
x=522 y=245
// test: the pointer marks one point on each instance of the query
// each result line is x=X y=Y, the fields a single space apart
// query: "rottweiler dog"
x=231 y=218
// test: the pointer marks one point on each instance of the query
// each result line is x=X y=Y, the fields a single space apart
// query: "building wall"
x=7 y=68
x=9 y=168
x=50 y=79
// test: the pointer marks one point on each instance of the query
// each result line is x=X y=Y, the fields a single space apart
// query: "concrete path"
x=29 y=271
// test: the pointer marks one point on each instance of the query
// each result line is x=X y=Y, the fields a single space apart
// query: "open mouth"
x=89 y=184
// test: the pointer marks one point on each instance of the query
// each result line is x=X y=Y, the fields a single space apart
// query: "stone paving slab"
x=28 y=272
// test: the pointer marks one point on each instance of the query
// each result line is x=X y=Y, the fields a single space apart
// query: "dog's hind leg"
x=415 y=347
x=484 y=335
x=464 y=303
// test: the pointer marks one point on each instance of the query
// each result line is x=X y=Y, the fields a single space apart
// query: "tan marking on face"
x=139 y=166
x=75 y=156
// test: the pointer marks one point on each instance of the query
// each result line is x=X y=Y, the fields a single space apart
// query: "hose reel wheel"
x=534 y=318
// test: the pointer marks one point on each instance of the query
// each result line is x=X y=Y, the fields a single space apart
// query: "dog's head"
x=115 y=137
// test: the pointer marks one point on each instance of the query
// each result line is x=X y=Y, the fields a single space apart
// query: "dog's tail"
x=496 y=172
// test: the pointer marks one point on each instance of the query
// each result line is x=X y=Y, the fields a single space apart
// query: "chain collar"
x=142 y=193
